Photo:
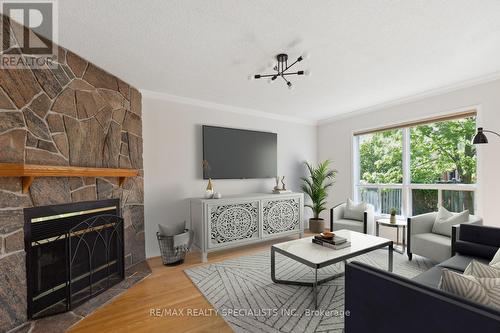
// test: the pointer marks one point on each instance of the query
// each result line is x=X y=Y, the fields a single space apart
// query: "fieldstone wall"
x=77 y=115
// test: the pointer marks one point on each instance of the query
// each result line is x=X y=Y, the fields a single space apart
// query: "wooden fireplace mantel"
x=28 y=172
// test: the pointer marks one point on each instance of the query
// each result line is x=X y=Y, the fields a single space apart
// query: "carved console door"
x=231 y=223
x=280 y=216
x=234 y=221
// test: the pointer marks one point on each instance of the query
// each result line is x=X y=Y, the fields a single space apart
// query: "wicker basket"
x=171 y=254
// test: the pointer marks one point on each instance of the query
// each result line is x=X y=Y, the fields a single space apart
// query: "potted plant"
x=393 y=215
x=315 y=186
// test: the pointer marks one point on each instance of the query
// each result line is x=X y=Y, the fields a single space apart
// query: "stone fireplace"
x=74 y=115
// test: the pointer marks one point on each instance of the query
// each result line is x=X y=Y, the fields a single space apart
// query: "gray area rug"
x=241 y=291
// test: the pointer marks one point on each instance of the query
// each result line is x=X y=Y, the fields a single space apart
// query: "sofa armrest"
x=369 y=219
x=418 y=224
x=415 y=307
x=336 y=213
x=421 y=224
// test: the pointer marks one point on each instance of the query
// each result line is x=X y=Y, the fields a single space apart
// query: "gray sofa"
x=422 y=241
x=338 y=222
x=380 y=301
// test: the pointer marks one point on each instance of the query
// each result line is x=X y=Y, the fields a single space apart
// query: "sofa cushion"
x=459 y=262
x=354 y=211
x=445 y=220
x=348 y=224
x=431 y=277
x=430 y=245
x=480 y=234
x=475 y=249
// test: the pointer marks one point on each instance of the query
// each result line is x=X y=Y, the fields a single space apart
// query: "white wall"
x=335 y=140
x=173 y=157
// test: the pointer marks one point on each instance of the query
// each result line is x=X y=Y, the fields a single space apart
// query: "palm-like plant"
x=316 y=185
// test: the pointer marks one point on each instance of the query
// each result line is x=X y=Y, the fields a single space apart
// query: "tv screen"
x=230 y=153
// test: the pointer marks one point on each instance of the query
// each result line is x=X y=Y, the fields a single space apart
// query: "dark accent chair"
x=338 y=222
x=379 y=301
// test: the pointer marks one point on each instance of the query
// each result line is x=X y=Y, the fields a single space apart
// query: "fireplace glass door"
x=73 y=253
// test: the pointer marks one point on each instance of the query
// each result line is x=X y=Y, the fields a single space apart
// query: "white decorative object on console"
x=238 y=220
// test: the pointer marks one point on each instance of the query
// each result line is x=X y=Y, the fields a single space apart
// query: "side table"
x=399 y=224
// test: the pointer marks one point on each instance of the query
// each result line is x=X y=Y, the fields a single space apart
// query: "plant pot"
x=316 y=225
x=393 y=219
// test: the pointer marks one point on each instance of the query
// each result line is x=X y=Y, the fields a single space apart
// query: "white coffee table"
x=316 y=256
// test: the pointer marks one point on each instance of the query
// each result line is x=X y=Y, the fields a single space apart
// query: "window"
x=417 y=167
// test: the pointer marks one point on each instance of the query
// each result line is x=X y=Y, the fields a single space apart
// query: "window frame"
x=407 y=186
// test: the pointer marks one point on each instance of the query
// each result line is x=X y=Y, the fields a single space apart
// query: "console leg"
x=409 y=256
x=204 y=257
x=273 y=265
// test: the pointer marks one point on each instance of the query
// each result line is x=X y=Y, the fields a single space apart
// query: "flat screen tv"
x=230 y=153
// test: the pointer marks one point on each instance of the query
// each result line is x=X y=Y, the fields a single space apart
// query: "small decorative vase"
x=209 y=193
x=393 y=219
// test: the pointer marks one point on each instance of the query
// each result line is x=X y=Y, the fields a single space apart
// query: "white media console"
x=244 y=219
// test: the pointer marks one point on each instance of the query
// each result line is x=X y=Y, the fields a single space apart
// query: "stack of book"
x=335 y=243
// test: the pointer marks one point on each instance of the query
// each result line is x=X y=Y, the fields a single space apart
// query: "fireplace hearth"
x=73 y=253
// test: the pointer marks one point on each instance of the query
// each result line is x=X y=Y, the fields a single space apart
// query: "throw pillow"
x=492 y=289
x=354 y=211
x=445 y=220
x=479 y=270
x=171 y=230
x=495 y=262
x=182 y=240
x=466 y=286
x=488 y=277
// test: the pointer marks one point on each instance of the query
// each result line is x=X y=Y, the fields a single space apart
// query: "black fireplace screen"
x=73 y=253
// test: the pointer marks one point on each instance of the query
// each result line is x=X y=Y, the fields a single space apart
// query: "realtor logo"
x=29 y=38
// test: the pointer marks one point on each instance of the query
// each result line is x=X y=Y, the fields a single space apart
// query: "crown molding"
x=413 y=98
x=223 y=107
x=344 y=115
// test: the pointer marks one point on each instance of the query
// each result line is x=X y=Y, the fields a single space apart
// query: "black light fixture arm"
x=261 y=76
x=281 y=69
x=296 y=61
x=488 y=131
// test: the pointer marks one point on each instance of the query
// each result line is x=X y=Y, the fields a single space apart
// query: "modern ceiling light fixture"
x=282 y=70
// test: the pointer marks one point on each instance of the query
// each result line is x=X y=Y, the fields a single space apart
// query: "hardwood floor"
x=166 y=288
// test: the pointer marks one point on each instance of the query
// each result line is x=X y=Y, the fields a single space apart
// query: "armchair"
x=422 y=241
x=338 y=222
